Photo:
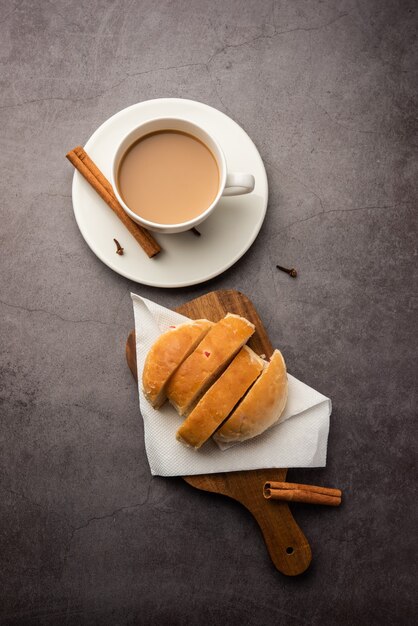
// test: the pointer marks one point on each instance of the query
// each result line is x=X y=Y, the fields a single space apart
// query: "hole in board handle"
x=289 y=550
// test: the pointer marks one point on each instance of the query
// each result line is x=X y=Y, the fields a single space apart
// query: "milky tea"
x=168 y=177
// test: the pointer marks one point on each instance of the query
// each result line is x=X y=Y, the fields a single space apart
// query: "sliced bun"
x=220 y=399
x=261 y=407
x=208 y=361
x=167 y=354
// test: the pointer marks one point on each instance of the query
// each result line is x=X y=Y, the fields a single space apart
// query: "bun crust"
x=167 y=354
x=218 y=402
x=208 y=361
x=261 y=407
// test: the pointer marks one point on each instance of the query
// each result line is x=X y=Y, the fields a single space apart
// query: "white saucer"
x=186 y=259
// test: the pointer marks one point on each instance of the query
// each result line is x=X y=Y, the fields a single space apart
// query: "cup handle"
x=237 y=184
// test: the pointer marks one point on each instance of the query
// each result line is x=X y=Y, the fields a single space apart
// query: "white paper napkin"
x=298 y=441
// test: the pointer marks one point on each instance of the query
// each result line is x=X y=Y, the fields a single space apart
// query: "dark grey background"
x=327 y=91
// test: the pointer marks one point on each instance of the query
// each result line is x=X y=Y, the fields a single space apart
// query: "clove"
x=119 y=249
x=292 y=272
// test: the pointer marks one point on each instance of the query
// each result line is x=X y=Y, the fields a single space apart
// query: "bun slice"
x=261 y=407
x=208 y=361
x=218 y=402
x=167 y=354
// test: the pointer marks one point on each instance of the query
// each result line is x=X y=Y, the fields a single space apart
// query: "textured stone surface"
x=327 y=90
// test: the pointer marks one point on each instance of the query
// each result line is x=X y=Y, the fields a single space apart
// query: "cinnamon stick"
x=89 y=170
x=284 y=485
x=310 y=494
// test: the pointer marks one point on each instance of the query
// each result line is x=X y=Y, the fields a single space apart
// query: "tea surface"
x=168 y=177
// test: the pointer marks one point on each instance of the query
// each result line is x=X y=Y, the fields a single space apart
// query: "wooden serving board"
x=286 y=544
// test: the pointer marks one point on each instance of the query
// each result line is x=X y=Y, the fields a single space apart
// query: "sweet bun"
x=261 y=407
x=167 y=354
x=217 y=403
x=211 y=357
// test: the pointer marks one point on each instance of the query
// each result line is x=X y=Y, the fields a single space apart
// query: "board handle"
x=286 y=544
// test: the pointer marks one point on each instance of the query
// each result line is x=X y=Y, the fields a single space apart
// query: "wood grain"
x=286 y=543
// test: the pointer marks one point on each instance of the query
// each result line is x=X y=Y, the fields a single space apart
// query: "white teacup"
x=230 y=183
